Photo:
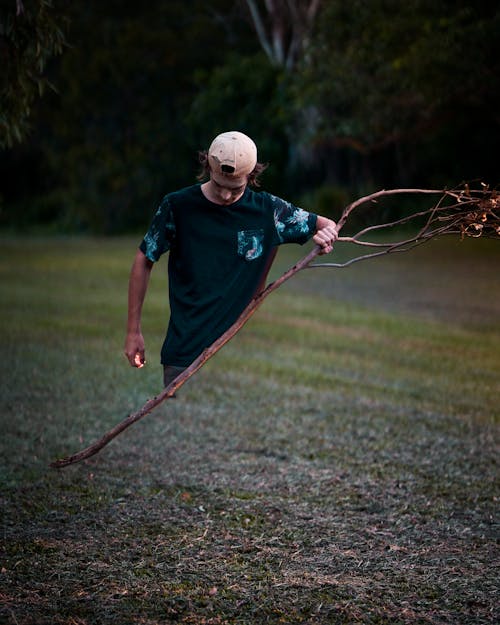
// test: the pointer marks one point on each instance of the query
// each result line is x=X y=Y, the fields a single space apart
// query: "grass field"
x=335 y=463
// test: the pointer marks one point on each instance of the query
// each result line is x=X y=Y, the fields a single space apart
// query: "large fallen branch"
x=462 y=212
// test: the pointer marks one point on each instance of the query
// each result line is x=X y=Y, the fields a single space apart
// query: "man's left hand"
x=326 y=234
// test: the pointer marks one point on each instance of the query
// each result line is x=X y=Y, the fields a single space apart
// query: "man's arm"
x=326 y=234
x=138 y=285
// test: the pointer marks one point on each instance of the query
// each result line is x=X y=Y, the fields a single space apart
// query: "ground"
x=335 y=463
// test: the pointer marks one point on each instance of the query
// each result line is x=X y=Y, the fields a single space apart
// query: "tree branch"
x=283 y=33
x=260 y=30
x=473 y=213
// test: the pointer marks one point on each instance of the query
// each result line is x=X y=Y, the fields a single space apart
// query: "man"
x=222 y=237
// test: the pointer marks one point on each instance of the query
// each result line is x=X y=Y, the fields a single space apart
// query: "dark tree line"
x=104 y=104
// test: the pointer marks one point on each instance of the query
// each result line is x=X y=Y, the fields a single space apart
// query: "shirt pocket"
x=250 y=243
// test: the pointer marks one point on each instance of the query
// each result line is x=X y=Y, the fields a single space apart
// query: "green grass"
x=336 y=462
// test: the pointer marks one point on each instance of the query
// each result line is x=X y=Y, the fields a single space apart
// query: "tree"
x=251 y=91
x=283 y=28
x=31 y=34
x=247 y=93
x=115 y=138
x=386 y=76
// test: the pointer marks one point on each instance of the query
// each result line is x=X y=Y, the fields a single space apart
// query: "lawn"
x=335 y=463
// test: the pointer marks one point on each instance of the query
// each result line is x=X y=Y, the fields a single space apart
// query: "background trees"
x=341 y=98
x=30 y=36
x=407 y=87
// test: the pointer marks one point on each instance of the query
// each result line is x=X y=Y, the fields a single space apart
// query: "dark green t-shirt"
x=218 y=255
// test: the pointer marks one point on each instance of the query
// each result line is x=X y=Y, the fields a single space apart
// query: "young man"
x=222 y=238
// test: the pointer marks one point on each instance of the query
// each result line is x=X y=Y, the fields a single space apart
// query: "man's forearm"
x=138 y=285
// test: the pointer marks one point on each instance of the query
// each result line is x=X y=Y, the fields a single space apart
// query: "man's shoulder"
x=178 y=198
x=259 y=198
x=270 y=202
x=184 y=193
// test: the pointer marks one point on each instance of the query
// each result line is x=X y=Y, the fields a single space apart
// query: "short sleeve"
x=293 y=224
x=161 y=233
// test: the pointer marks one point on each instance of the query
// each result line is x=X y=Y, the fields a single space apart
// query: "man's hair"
x=253 y=176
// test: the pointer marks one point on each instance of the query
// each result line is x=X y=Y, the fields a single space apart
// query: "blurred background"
x=104 y=105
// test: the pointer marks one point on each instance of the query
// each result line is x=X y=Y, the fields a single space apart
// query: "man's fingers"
x=136 y=359
x=326 y=248
x=326 y=238
x=139 y=360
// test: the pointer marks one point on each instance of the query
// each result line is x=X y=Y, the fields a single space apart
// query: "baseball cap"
x=232 y=154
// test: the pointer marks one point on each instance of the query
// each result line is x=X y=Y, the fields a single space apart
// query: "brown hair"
x=253 y=176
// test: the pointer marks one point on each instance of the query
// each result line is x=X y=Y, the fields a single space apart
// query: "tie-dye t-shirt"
x=218 y=256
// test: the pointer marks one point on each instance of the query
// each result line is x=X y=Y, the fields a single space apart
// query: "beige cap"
x=232 y=154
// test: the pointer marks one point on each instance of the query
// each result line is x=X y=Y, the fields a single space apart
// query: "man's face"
x=227 y=189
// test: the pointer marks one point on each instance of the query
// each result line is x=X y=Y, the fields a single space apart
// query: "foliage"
x=327 y=200
x=125 y=141
x=32 y=32
x=256 y=105
x=371 y=102
x=118 y=138
x=382 y=82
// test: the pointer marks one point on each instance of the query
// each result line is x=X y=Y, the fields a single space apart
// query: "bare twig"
x=473 y=213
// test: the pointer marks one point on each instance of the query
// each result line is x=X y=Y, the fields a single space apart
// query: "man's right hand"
x=135 y=350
